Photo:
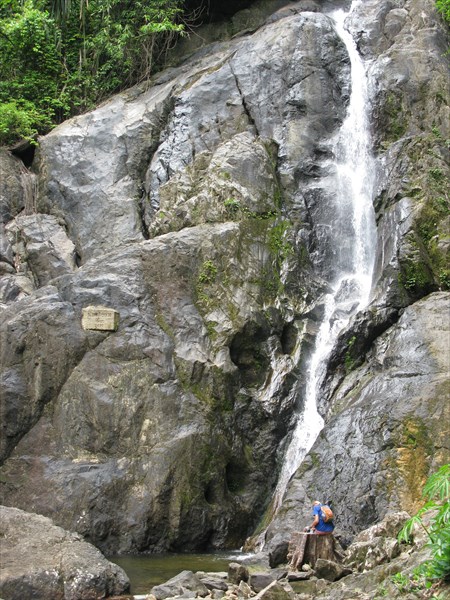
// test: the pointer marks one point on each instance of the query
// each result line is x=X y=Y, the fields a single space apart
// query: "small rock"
x=244 y=590
x=299 y=575
x=274 y=591
x=237 y=573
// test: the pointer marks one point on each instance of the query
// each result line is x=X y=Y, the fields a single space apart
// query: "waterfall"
x=353 y=235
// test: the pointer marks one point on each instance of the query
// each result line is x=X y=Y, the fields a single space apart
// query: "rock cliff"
x=192 y=206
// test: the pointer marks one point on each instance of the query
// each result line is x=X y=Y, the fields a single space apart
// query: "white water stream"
x=354 y=223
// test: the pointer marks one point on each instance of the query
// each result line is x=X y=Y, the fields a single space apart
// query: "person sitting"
x=319 y=525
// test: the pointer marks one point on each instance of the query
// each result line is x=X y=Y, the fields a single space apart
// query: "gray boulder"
x=40 y=560
x=40 y=346
x=276 y=591
x=212 y=581
x=278 y=550
x=186 y=581
x=41 y=243
x=377 y=544
x=259 y=581
x=237 y=573
x=388 y=527
x=13 y=186
x=6 y=251
x=328 y=569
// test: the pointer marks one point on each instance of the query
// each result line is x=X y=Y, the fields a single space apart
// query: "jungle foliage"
x=443 y=7
x=59 y=58
x=436 y=494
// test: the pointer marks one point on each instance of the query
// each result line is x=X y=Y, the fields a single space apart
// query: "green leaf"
x=438 y=485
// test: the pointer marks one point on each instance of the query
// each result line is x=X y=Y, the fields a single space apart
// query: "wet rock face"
x=164 y=434
x=411 y=121
x=382 y=438
x=392 y=405
x=191 y=207
x=148 y=414
x=40 y=345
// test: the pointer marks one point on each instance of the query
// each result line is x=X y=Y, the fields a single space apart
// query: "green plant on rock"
x=436 y=132
x=428 y=229
x=437 y=174
x=206 y=277
x=382 y=592
x=436 y=494
x=349 y=360
x=232 y=206
x=443 y=7
x=401 y=582
x=279 y=245
x=396 y=121
x=277 y=197
x=414 y=276
x=211 y=329
x=208 y=272
x=410 y=585
x=444 y=279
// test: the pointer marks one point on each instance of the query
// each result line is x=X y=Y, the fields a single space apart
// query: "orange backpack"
x=326 y=513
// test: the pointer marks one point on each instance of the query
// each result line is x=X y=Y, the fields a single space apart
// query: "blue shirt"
x=321 y=525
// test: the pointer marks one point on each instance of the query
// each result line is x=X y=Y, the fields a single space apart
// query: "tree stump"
x=296 y=550
x=306 y=548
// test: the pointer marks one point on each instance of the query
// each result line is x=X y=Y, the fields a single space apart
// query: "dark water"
x=146 y=571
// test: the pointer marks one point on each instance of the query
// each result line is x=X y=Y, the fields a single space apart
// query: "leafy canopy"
x=59 y=58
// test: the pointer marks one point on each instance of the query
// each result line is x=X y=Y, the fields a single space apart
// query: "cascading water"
x=353 y=234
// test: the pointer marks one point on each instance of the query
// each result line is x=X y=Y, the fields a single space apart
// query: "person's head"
x=316 y=502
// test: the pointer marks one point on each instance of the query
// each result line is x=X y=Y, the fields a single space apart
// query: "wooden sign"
x=100 y=318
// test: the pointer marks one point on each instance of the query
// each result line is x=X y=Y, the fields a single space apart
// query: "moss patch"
x=394 y=117
x=414 y=452
x=350 y=359
x=424 y=266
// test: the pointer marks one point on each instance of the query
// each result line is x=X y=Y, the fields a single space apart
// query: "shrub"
x=18 y=121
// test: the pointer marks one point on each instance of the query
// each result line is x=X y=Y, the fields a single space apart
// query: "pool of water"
x=145 y=571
